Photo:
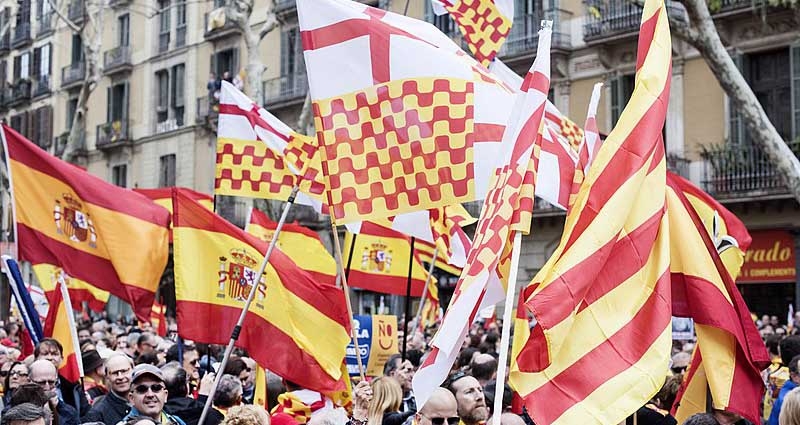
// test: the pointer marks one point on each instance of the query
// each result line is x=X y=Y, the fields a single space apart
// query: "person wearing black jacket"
x=70 y=392
x=179 y=403
x=111 y=408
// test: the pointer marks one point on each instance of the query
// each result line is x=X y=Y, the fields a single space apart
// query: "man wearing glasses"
x=148 y=395
x=70 y=392
x=45 y=375
x=441 y=409
x=114 y=406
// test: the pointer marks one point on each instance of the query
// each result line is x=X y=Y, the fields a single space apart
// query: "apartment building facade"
x=151 y=118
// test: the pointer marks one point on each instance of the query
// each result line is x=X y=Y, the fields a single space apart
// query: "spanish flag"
x=110 y=237
x=607 y=284
x=60 y=325
x=49 y=275
x=296 y=327
x=378 y=258
x=730 y=353
x=158 y=318
x=301 y=244
x=163 y=196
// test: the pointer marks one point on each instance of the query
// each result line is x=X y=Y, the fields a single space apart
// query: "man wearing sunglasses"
x=148 y=395
x=441 y=409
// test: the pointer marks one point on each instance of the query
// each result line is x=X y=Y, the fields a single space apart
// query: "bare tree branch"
x=270 y=24
x=72 y=26
x=304 y=120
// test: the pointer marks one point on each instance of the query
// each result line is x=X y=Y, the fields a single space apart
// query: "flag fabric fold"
x=730 y=353
x=411 y=120
x=60 y=325
x=110 y=237
x=306 y=323
x=622 y=314
x=507 y=209
x=301 y=244
x=378 y=261
x=485 y=24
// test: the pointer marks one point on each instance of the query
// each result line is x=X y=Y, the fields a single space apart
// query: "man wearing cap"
x=95 y=373
x=148 y=395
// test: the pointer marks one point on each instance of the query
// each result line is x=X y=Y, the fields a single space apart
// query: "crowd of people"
x=132 y=376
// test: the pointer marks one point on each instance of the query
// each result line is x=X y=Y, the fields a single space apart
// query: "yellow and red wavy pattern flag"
x=608 y=284
x=485 y=24
x=301 y=244
x=378 y=259
x=59 y=326
x=305 y=323
x=79 y=291
x=730 y=353
x=110 y=237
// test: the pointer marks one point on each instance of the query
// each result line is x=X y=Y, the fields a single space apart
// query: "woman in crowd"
x=790 y=411
x=17 y=375
x=384 y=408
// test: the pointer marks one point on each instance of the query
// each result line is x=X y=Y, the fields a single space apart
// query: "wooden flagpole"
x=502 y=361
x=338 y=251
x=238 y=328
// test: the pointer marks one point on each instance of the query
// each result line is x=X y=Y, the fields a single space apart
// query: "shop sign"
x=771 y=258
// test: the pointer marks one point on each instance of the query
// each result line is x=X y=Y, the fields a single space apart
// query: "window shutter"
x=47 y=120
x=736 y=130
x=235 y=62
x=126 y=99
x=616 y=99
x=17 y=60
x=37 y=61
x=794 y=57
x=109 y=104
x=179 y=85
x=47 y=59
x=25 y=70
x=285 y=52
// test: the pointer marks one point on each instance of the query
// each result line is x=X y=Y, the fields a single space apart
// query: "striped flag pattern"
x=79 y=291
x=60 y=325
x=589 y=145
x=730 y=353
x=105 y=235
x=622 y=316
x=306 y=323
x=481 y=283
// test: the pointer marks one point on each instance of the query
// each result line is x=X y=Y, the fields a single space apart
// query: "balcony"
x=112 y=134
x=22 y=35
x=60 y=143
x=207 y=110
x=617 y=19
x=217 y=25
x=45 y=25
x=119 y=3
x=117 y=59
x=75 y=11
x=286 y=90
x=5 y=43
x=72 y=75
x=742 y=171
x=20 y=93
x=524 y=36
x=41 y=86
x=284 y=6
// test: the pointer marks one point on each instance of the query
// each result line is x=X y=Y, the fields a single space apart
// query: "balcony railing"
x=285 y=89
x=742 y=171
x=216 y=24
x=72 y=74
x=207 y=109
x=22 y=35
x=112 y=134
x=20 y=93
x=524 y=35
x=60 y=142
x=41 y=86
x=75 y=11
x=614 y=18
x=117 y=59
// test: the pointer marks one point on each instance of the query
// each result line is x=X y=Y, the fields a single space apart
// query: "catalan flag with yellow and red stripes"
x=216 y=265
x=301 y=244
x=79 y=291
x=730 y=353
x=608 y=284
x=110 y=237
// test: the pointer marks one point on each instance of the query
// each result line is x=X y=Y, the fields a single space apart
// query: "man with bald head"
x=44 y=374
x=441 y=409
x=114 y=406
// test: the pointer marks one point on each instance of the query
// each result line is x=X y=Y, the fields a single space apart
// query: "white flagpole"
x=506 y=333
x=238 y=328
x=425 y=288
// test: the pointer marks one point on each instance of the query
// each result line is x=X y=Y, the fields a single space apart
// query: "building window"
x=445 y=23
x=180 y=26
x=162 y=101
x=225 y=61
x=77 y=49
x=621 y=91
x=171 y=98
x=72 y=106
x=119 y=175
x=178 y=93
x=22 y=66
x=117 y=106
x=164 y=17
x=41 y=62
x=124 y=28
x=166 y=173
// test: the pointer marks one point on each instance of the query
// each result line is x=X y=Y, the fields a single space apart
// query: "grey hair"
x=26 y=412
x=228 y=389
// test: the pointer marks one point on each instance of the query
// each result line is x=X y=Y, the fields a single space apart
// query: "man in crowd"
x=249 y=386
x=148 y=395
x=483 y=368
x=441 y=409
x=403 y=372
x=229 y=393
x=45 y=375
x=146 y=343
x=178 y=401
x=792 y=383
x=114 y=406
x=26 y=414
x=469 y=397
x=95 y=373
x=70 y=392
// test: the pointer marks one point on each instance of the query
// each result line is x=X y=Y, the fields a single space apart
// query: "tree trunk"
x=702 y=35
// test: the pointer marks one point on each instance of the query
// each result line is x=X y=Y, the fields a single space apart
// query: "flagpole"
x=350 y=255
x=238 y=328
x=338 y=251
x=418 y=317
x=407 y=311
x=506 y=333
